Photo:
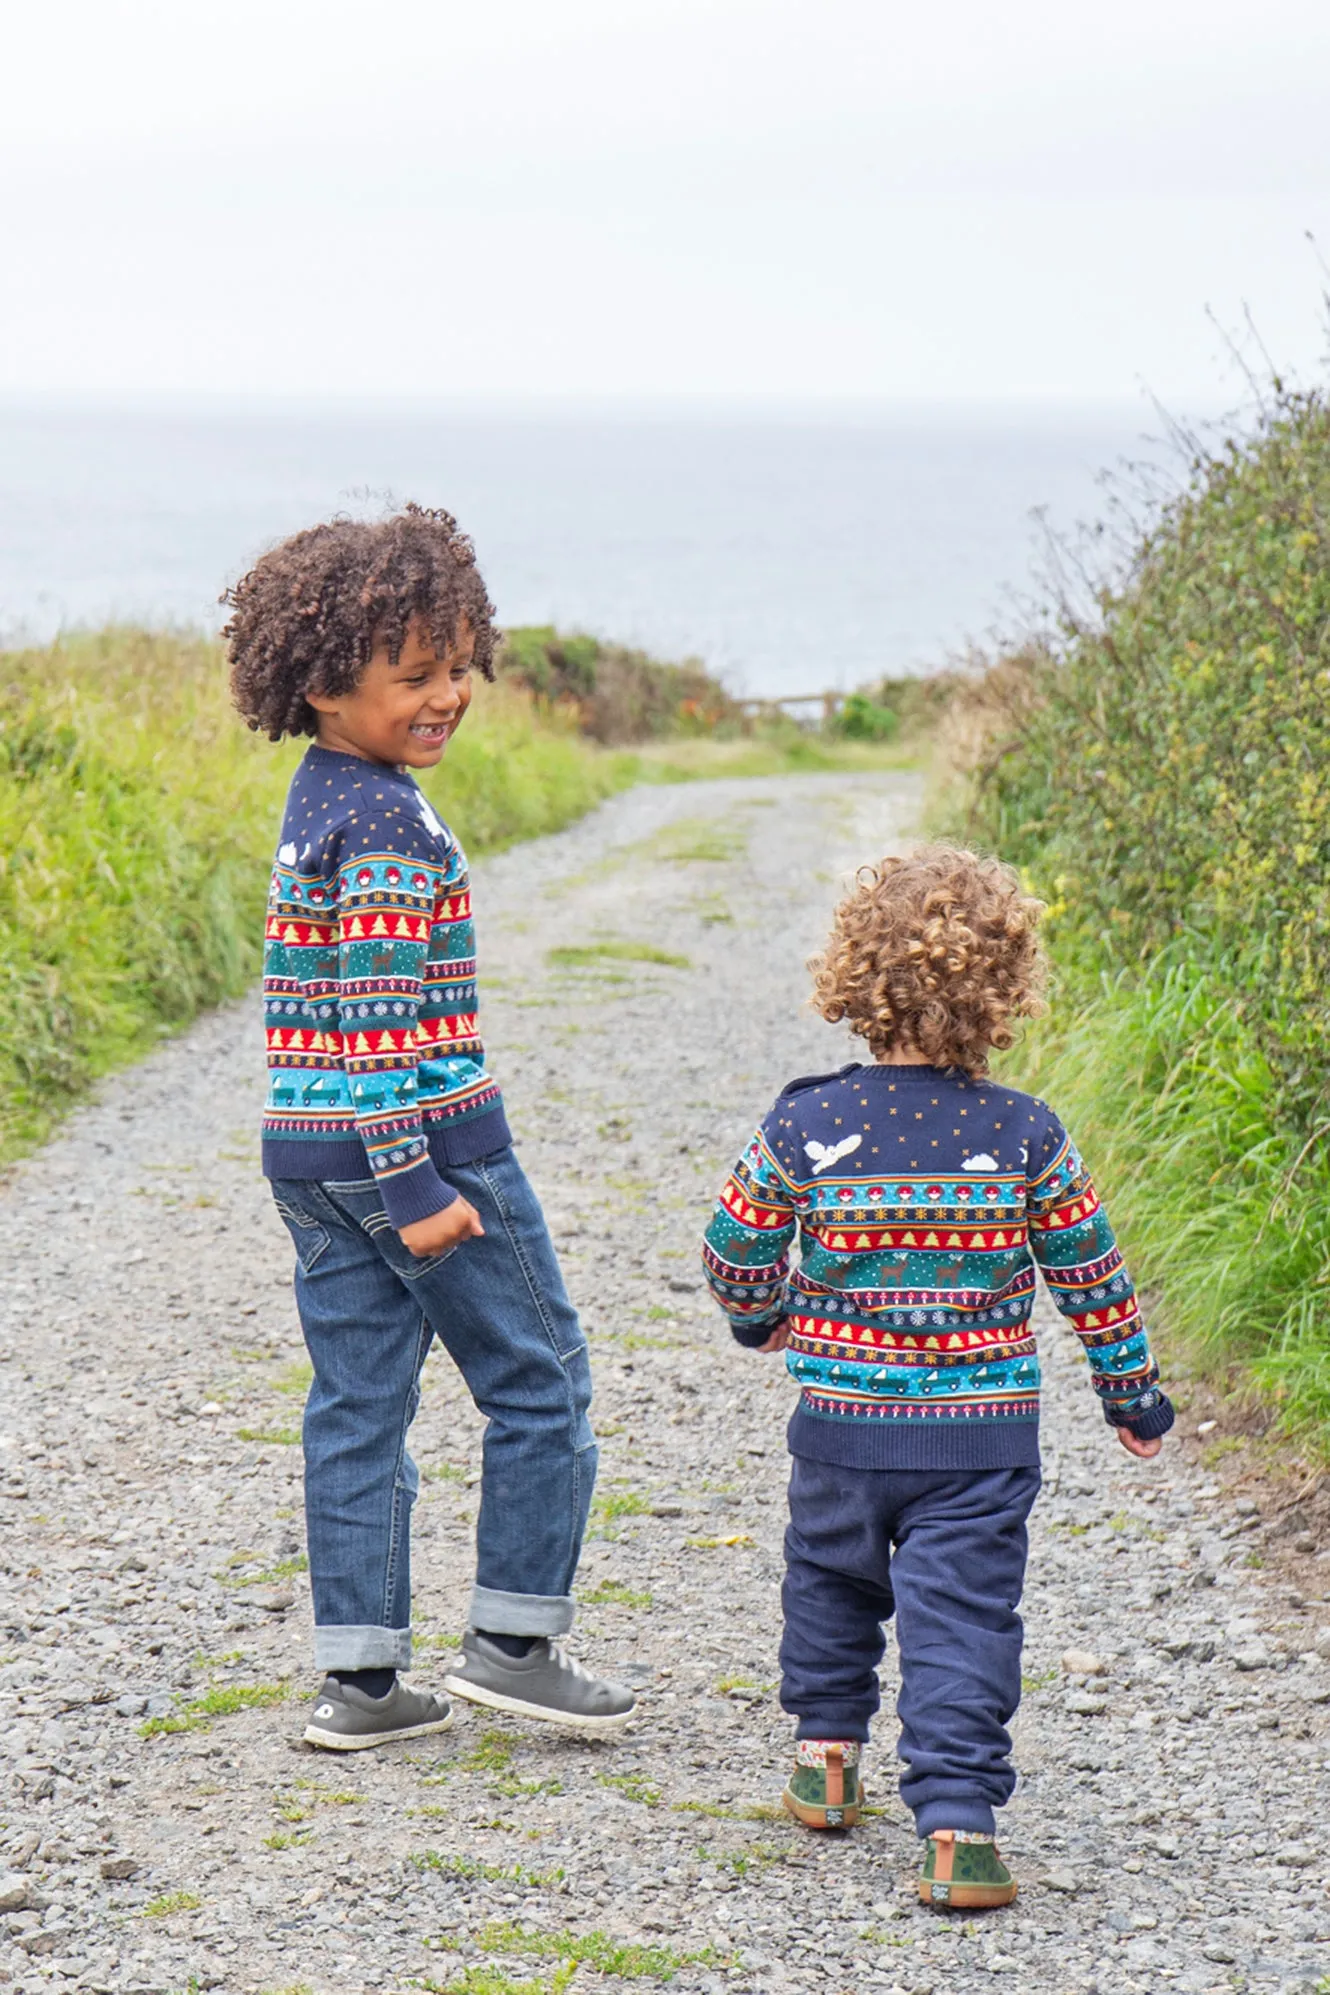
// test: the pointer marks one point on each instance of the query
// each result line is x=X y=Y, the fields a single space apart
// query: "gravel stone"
x=1065 y=1881
x=148 y=1281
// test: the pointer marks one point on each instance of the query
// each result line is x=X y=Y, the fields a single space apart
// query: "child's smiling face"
x=404 y=713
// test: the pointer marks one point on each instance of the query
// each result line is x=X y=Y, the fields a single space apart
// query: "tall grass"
x=1228 y=1224
x=137 y=823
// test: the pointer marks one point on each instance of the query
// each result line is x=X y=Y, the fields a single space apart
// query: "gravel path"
x=1170 y=1823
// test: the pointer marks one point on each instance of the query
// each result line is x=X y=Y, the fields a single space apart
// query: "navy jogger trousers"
x=944 y=1550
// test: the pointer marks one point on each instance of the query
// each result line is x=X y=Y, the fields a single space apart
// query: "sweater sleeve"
x=1073 y=1243
x=746 y=1252
x=391 y=873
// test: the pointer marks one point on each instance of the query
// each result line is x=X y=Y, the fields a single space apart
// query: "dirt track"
x=1170 y=1823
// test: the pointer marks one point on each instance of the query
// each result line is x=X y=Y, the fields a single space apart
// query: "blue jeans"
x=945 y=1550
x=370 y=1310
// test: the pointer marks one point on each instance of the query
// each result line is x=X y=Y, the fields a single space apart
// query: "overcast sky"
x=789 y=198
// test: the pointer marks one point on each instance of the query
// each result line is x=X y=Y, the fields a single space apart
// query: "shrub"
x=861 y=719
x=616 y=694
x=1162 y=768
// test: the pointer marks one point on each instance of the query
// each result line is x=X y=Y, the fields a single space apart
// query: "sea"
x=793 y=550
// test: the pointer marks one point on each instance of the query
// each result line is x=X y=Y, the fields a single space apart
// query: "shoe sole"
x=816 y=1818
x=518 y=1707
x=346 y=1742
x=967 y=1897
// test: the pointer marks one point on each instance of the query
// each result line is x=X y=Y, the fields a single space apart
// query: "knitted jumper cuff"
x=752 y=1335
x=415 y=1194
x=1150 y=1425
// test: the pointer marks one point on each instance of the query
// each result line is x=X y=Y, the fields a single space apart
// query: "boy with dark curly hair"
x=925 y=1196
x=385 y=1140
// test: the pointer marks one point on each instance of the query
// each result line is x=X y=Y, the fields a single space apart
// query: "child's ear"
x=322 y=702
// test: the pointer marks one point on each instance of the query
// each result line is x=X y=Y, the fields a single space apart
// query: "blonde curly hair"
x=938 y=952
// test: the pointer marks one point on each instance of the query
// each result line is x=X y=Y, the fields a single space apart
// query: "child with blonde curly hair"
x=925 y=1197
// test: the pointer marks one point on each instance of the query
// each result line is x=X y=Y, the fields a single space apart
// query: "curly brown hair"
x=937 y=952
x=311 y=612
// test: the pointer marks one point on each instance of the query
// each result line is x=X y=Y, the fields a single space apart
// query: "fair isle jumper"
x=923 y=1203
x=375 y=1067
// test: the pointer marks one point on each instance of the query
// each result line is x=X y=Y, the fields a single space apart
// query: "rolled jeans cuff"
x=520 y=1613
x=971 y=1813
x=362 y=1648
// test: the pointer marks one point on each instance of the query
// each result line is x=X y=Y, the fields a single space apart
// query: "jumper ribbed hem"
x=345 y=1162
x=934 y=1443
x=1151 y=1425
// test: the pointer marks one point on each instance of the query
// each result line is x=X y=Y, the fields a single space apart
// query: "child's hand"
x=1135 y=1446
x=442 y=1230
x=778 y=1339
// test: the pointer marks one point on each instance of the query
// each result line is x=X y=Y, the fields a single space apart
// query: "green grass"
x=170 y=1903
x=487 y=1873
x=597 y=1950
x=697 y=841
x=613 y=1593
x=492 y=1756
x=488 y=1981
x=620 y=1503
x=753 y=1811
x=779 y=751
x=589 y=954
x=220 y=1702
x=492 y=1753
x=296 y=1380
x=634 y=1787
x=272 y=1437
x=269 y=1576
x=750 y=1862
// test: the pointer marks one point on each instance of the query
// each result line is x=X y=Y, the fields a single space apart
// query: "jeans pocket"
x=308 y=1235
x=365 y=1204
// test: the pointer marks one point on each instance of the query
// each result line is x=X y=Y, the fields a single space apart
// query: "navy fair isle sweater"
x=923 y=1203
x=375 y=1066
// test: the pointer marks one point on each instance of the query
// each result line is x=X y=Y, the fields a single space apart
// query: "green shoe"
x=824 y=1791
x=964 y=1870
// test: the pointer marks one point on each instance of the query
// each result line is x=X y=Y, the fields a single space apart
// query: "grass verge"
x=1221 y=1219
x=137 y=824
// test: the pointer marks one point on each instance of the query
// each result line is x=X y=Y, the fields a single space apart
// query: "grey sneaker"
x=347 y=1720
x=544 y=1683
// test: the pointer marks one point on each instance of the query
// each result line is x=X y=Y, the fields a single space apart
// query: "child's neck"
x=903 y=1056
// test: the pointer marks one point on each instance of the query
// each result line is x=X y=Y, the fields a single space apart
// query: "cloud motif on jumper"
x=824 y=1155
x=983 y=1162
x=287 y=854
